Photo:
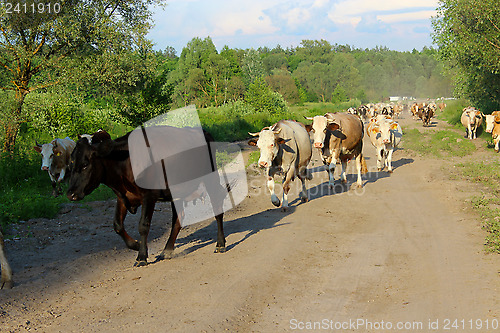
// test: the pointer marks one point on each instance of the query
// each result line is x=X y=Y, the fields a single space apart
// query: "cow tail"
x=364 y=167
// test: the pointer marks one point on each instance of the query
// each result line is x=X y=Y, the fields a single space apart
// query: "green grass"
x=253 y=158
x=441 y=143
x=26 y=191
x=487 y=205
x=489 y=211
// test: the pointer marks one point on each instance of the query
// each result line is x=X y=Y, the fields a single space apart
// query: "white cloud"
x=407 y=17
x=347 y=11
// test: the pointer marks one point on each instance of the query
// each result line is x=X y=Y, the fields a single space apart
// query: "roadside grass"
x=487 y=204
x=253 y=158
x=449 y=143
x=489 y=210
x=441 y=143
x=26 y=191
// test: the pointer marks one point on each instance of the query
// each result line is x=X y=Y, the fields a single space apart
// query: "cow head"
x=490 y=123
x=47 y=152
x=322 y=126
x=268 y=143
x=386 y=130
x=85 y=172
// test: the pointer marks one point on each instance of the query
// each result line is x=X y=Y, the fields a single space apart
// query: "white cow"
x=385 y=135
x=284 y=147
x=55 y=160
x=472 y=120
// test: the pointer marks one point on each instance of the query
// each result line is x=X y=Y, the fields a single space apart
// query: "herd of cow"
x=285 y=148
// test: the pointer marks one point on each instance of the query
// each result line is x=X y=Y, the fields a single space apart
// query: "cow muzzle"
x=263 y=164
x=44 y=168
x=318 y=145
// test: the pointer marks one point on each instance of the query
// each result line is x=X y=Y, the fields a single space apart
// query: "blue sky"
x=400 y=25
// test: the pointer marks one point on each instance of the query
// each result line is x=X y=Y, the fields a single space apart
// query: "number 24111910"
x=32 y=8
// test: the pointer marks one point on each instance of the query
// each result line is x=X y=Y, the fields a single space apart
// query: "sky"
x=400 y=25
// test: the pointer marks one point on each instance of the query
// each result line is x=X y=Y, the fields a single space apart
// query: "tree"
x=34 y=46
x=468 y=35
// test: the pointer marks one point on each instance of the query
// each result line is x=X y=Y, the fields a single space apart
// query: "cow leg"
x=220 y=247
x=497 y=143
x=286 y=189
x=55 y=189
x=270 y=185
x=6 y=278
x=331 y=172
x=120 y=213
x=380 y=158
x=358 y=168
x=148 y=207
x=342 y=174
x=303 y=194
x=176 y=227
x=389 y=159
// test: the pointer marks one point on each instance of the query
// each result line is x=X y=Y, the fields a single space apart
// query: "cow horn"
x=37 y=144
x=277 y=131
x=309 y=118
x=254 y=134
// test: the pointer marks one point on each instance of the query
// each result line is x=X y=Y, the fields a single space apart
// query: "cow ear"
x=333 y=126
x=394 y=126
x=280 y=141
x=103 y=149
x=38 y=148
x=309 y=128
x=57 y=151
x=252 y=142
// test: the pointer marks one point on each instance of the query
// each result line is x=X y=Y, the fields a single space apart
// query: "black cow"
x=108 y=162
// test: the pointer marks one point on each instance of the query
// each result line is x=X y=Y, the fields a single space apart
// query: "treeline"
x=315 y=71
x=127 y=87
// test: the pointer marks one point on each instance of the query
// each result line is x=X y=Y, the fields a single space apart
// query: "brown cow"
x=340 y=138
x=108 y=162
x=6 y=278
x=55 y=159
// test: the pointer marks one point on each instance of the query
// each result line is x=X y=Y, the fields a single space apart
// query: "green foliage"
x=263 y=99
x=453 y=111
x=35 y=48
x=26 y=191
x=468 y=35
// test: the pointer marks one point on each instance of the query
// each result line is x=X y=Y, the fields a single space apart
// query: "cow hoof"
x=140 y=263
x=276 y=203
x=304 y=199
x=220 y=249
x=284 y=209
x=389 y=171
x=6 y=284
x=165 y=255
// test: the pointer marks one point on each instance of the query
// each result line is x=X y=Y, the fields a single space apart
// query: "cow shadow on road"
x=323 y=189
x=248 y=225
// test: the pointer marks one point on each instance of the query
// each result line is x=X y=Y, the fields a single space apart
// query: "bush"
x=263 y=99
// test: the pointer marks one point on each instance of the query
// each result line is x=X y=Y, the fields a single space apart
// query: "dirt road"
x=403 y=254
